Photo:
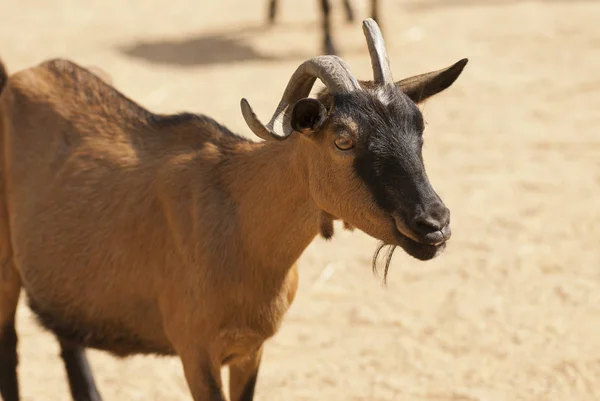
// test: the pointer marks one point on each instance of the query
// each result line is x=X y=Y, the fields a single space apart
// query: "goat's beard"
x=326 y=228
x=390 y=249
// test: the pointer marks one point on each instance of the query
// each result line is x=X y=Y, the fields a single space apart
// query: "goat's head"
x=364 y=143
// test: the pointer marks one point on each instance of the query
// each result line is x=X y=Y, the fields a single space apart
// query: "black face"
x=388 y=159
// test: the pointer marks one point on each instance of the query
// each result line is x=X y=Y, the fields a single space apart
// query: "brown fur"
x=138 y=233
x=10 y=283
x=133 y=232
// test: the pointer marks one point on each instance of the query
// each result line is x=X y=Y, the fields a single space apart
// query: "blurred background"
x=511 y=310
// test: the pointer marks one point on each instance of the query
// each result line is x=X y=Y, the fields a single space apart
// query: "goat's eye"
x=344 y=143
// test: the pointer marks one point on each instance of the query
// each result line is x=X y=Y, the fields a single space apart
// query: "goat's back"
x=99 y=197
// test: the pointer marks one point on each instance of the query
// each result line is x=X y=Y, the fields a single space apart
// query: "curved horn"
x=382 y=73
x=331 y=70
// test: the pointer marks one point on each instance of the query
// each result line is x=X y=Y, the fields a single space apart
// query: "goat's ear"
x=308 y=115
x=423 y=86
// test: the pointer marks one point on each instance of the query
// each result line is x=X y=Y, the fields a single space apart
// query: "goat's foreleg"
x=375 y=11
x=328 y=47
x=203 y=376
x=242 y=377
x=198 y=351
x=79 y=372
x=349 y=11
x=272 y=11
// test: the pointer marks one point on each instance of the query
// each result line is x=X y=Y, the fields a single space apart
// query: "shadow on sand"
x=420 y=5
x=228 y=46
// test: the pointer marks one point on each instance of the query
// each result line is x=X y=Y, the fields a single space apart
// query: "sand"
x=511 y=310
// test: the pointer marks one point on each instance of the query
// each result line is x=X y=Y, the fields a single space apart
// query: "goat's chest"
x=253 y=323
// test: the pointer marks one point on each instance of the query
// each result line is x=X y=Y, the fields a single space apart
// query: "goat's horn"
x=255 y=124
x=331 y=70
x=382 y=73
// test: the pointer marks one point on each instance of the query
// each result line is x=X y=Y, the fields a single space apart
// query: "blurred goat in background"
x=328 y=46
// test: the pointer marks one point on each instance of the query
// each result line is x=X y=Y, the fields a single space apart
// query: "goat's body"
x=120 y=196
x=134 y=233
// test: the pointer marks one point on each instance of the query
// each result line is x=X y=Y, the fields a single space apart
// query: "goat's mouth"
x=416 y=249
x=419 y=250
x=423 y=248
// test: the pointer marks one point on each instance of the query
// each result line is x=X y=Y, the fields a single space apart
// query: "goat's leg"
x=349 y=11
x=242 y=378
x=187 y=334
x=328 y=46
x=9 y=383
x=375 y=11
x=272 y=11
x=10 y=289
x=79 y=372
x=203 y=376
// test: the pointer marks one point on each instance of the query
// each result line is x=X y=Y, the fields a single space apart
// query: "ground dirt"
x=510 y=312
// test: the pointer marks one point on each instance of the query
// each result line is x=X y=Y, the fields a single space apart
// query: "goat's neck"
x=278 y=219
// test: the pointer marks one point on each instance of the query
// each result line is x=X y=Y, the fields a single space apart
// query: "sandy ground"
x=510 y=312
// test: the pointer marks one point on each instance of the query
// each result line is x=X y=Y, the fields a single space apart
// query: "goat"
x=140 y=233
x=328 y=46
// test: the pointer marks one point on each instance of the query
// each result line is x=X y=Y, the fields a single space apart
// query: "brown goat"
x=133 y=232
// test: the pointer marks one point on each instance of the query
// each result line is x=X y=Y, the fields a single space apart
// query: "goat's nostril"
x=428 y=224
x=435 y=220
